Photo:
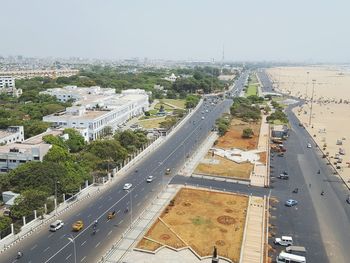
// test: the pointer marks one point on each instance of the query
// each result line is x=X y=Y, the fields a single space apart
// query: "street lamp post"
x=312 y=100
x=71 y=239
x=56 y=202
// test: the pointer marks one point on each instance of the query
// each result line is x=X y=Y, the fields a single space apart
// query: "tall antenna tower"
x=223 y=58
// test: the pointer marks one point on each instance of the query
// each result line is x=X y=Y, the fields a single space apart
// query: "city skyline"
x=249 y=31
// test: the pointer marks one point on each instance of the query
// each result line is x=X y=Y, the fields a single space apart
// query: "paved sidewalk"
x=260 y=174
x=253 y=240
x=124 y=247
x=195 y=159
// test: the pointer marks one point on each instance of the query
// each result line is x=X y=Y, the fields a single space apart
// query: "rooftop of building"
x=38 y=139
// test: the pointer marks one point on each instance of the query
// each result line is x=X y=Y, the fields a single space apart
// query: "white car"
x=149 y=179
x=284 y=241
x=309 y=145
x=127 y=186
x=203 y=118
x=56 y=225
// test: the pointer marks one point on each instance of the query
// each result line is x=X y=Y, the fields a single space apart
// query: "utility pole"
x=307 y=84
x=312 y=99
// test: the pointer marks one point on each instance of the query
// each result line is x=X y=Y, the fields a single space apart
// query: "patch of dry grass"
x=225 y=167
x=203 y=219
x=233 y=137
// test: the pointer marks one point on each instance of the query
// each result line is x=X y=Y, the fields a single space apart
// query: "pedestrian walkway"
x=260 y=174
x=195 y=159
x=252 y=250
x=124 y=247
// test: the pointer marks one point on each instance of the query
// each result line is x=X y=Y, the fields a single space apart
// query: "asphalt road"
x=320 y=223
x=44 y=246
x=265 y=81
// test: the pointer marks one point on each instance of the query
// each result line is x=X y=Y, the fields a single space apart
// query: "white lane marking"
x=34 y=246
x=68 y=256
x=78 y=214
x=127 y=202
x=97 y=244
x=121 y=221
x=100 y=197
x=110 y=232
x=50 y=235
x=82 y=259
x=100 y=207
x=135 y=196
x=82 y=244
x=110 y=198
x=46 y=249
x=118 y=211
x=62 y=236
x=119 y=191
x=89 y=215
x=142 y=189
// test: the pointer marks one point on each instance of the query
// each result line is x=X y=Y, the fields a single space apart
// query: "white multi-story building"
x=95 y=108
x=7 y=85
x=12 y=134
x=32 y=149
x=7 y=82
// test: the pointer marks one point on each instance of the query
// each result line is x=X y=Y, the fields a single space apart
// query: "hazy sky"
x=294 y=30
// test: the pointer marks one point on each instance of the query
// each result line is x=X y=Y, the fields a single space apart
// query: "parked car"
x=309 y=145
x=127 y=186
x=291 y=202
x=284 y=241
x=348 y=199
x=167 y=171
x=149 y=179
x=54 y=226
x=283 y=176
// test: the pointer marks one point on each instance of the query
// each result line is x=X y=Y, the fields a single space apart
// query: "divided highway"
x=44 y=246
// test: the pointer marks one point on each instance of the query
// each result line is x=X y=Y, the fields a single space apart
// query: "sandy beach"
x=330 y=120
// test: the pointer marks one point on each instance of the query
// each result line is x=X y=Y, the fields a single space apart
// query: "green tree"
x=247 y=133
x=27 y=202
x=191 y=101
x=55 y=140
x=57 y=154
x=76 y=141
x=5 y=223
x=108 y=149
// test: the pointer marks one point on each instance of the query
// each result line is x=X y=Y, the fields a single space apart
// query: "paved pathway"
x=253 y=241
x=195 y=159
x=122 y=251
x=259 y=176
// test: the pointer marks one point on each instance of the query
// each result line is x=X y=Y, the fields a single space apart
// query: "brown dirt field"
x=161 y=233
x=147 y=244
x=233 y=137
x=225 y=168
x=205 y=219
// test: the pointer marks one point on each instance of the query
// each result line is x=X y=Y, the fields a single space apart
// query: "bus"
x=284 y=257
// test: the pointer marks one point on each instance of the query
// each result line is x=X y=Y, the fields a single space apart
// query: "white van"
x=56 y=225
x=284 y=241
x=284 y=257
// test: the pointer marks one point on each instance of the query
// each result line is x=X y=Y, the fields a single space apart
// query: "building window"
x=36 y=158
